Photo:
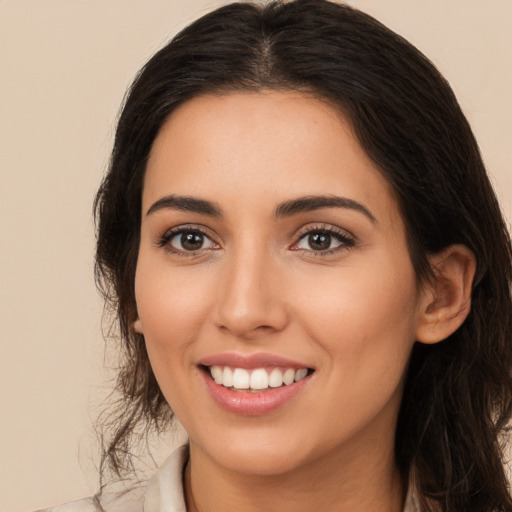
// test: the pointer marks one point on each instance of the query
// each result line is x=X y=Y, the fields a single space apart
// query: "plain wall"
x=64 y=67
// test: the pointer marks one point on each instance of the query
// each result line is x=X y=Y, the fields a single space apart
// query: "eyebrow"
x=285 y=209
x=186 y=204
x=311 y=203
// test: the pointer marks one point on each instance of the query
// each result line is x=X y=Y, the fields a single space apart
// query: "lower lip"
x=254 y=403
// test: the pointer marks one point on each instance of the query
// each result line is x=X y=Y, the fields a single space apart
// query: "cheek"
x=169 y=297
x=172 y=306
x=365 y=329
x=364 y=319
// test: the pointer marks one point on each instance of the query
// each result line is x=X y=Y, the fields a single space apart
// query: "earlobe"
x=446 y=301
x=137 y=326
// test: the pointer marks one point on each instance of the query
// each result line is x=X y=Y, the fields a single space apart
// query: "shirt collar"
x=164 y=492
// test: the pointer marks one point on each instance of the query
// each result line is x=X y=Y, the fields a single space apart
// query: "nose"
x=251 y=300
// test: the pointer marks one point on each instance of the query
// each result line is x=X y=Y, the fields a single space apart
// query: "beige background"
x=64 y=66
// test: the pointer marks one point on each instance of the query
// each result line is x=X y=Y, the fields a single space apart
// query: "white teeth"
x=217 y=374
x=240 y=378
x=275 y=379
x=227 y=377
x=258 y=379
x=300 y=374
x=289 y=376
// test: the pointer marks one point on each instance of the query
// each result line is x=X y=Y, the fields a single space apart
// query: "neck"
x=341 y=480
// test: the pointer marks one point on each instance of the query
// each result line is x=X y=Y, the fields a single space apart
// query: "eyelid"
x=164 y=239
x=346 y=237
x=324 y=226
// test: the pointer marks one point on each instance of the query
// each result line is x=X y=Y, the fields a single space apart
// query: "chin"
x=250 y=457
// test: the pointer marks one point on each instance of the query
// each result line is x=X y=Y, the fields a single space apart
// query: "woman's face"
x=273 y=249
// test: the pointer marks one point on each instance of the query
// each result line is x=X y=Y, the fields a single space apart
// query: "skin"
x=256 y=285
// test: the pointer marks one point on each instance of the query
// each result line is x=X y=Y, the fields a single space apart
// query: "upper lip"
x=251 y=361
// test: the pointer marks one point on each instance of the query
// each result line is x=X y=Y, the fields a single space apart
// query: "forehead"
x=262 y=147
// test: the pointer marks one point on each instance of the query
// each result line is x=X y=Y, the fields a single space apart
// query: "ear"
x=446 y=301
x=137 y=326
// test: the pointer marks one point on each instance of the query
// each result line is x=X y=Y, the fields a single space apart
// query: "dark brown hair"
x=457 y=399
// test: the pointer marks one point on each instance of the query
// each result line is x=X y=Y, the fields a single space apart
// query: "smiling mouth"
x=255 y=380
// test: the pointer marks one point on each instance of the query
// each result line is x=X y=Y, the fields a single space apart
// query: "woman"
x=309 y=270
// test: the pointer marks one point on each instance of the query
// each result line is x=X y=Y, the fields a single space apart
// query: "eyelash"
x=347 y=241
x=165 y=240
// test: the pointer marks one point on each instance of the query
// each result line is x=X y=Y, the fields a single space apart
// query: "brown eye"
x=324 y=241
x=319 y=241
x=188 y=241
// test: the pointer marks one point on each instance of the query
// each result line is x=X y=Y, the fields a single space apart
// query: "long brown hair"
x=458 y=393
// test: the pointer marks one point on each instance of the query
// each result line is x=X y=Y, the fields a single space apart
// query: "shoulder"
x=131 y=500
x=109 y=500
x=164 y=491
x=85 y=505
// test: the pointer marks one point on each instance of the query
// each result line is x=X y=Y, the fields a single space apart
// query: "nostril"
x=247 y=332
